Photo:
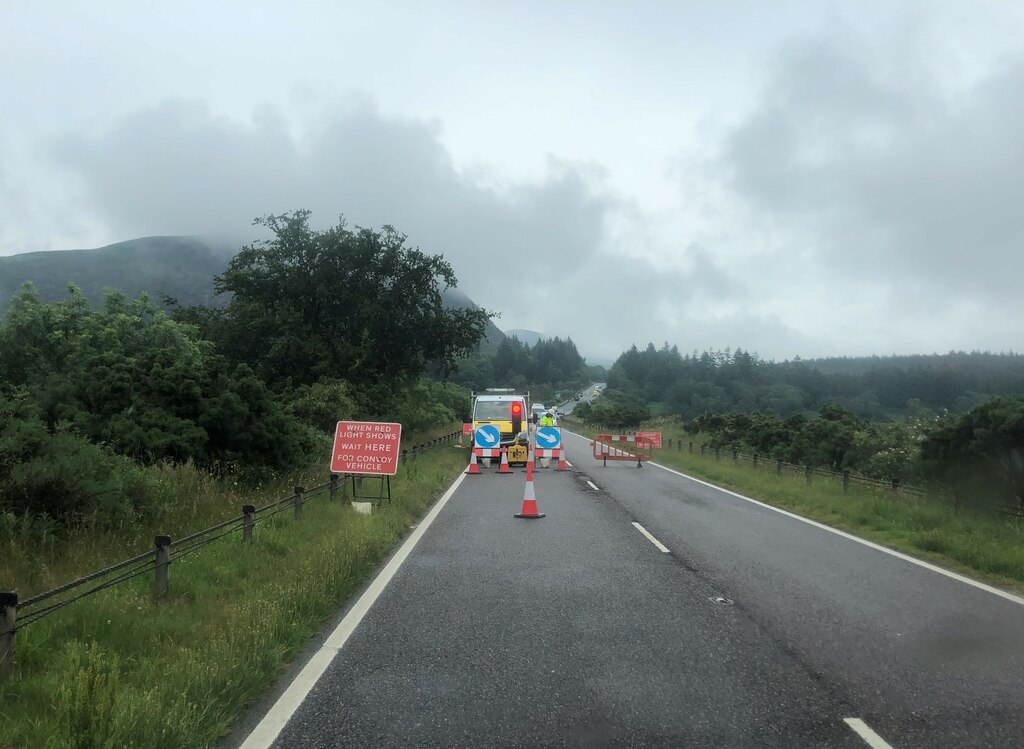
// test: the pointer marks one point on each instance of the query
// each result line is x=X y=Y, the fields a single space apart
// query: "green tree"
x=355 y=304
x=133 y=379
x=981 y=454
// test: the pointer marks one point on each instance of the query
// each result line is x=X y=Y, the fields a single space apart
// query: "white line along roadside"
x=877 y=547
x=593 y=485
x=652 y=539
x=268 y=729
x=863 y=730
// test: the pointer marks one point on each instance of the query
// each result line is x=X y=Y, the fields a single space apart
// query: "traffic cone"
x=503 y=469
x=562 y=465
x=529 y=497
x=473 y=469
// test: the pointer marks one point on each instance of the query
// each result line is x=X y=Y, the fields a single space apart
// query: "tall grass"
x=118 y=670
x=980 y=544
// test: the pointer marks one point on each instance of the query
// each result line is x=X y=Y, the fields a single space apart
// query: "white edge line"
x=593 y=485
x=661 y=547
x=268 y=729
x=863 y=730
x=871 y=544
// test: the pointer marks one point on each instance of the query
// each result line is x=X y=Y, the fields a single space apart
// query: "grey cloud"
x=538 y=252
x=888 y=175
x=177 y=168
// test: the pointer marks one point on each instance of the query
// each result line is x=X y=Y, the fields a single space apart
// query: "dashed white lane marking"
x=877 y=547
x=593 y=486
x=652 y=539
x=863 y=730
x=268 y=729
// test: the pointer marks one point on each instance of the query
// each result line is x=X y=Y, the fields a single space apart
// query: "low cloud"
x=540 y=253
x=887 y=175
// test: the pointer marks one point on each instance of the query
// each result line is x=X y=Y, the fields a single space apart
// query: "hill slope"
x=529 y=337
x=181 y=267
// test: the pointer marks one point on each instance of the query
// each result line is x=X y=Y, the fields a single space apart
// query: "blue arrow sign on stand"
x=487 y=435
x=548 y=438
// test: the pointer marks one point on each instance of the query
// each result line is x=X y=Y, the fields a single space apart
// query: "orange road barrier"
x=474 y=468
x=633 y=447
x=562 y=464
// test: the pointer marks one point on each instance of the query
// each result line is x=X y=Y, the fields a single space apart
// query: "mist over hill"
x=529 y=337
x=182 y=267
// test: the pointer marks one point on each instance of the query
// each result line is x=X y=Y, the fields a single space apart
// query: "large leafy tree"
x=356 y=304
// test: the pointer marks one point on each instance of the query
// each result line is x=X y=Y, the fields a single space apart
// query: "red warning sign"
x=654 y=438
x=467 y=428
x=366 y=447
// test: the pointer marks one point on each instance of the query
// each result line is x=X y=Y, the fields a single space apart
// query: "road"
x=579 y=630
x=586 y=395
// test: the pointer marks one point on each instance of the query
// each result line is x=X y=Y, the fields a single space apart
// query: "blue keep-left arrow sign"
x=487 y=435
x=548 y=438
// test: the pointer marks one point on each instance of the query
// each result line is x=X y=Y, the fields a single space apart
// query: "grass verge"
x=980 y=545
x=116 y=670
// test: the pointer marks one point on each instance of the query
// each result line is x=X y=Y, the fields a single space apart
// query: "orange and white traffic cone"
x=529 y=510
x=474 y=468
x=503 y=469
x=562 y=464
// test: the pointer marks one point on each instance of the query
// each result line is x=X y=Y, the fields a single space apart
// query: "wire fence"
x=16 y=615
x=781 y=468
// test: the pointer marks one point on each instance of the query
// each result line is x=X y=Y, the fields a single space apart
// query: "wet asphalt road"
x=576 y=630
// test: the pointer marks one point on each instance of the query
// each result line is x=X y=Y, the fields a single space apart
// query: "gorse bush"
x=981 y=454
x=89 y=396
x=321 y=405
x=131 y=378
x=62 y=475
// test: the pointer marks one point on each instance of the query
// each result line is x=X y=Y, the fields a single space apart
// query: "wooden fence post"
x=163 y=561
x=334 y=485
x=778 y=467
x=8 y=627
x=807 y=474
x=895 y=485
x=718 y=453
x=299 y=492
x=691 y=447
x=249 y=511
x=735 y=455
x=846 y=482
x=755 y=460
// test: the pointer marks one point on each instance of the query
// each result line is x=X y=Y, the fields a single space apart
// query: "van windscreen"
x=493 y=411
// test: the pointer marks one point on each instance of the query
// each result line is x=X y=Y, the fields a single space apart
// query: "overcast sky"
x=792 y=178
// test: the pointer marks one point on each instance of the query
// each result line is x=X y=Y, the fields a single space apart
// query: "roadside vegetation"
x=128 y=419
x=117 y=670
x=975 y=455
